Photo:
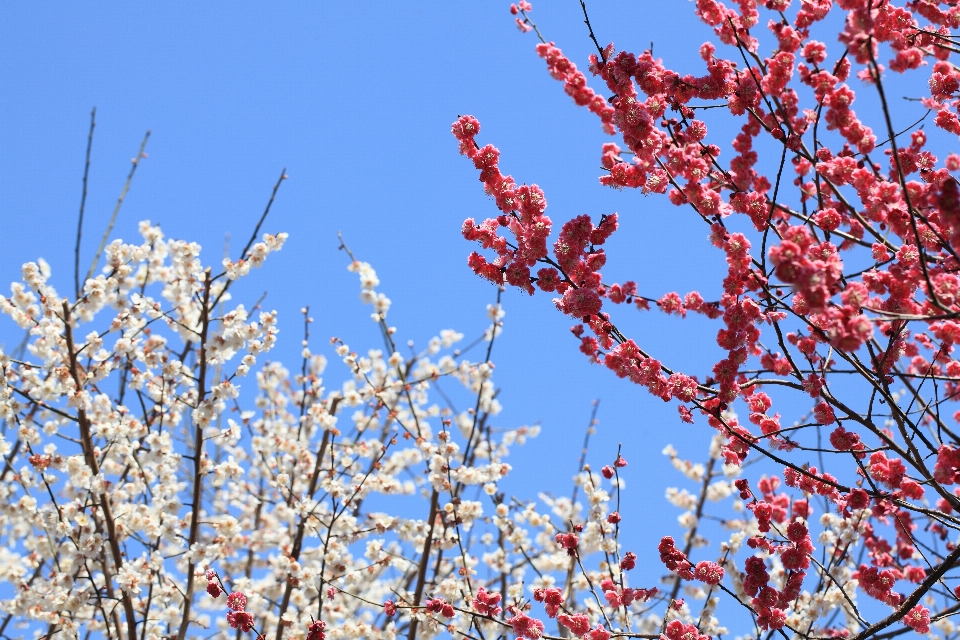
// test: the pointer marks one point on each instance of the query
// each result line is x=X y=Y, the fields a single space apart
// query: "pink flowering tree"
x=837 y=313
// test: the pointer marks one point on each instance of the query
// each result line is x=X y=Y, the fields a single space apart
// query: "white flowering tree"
x=138 y=483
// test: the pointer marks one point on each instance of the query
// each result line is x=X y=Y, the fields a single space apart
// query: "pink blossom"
x=526 y=627
x=578 y=624
x=599 y=633
x=918 y=619
x=237 y=601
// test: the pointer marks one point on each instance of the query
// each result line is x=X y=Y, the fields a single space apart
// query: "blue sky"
x=356 y=101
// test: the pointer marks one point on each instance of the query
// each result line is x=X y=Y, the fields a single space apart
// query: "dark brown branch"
x=586 y=21
x=86 y=439
x=424 y=560
x=948 y=563
x=197 y=453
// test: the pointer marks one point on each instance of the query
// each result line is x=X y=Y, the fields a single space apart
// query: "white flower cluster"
x=368 y=293
x=138 y=457
x=255 y=256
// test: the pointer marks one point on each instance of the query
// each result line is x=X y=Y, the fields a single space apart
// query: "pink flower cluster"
x=578 y=623
x=568 y=541
x=575 y=84
x=487 y=603
x=526 y=627
x=795 y=555
x=947 y=469
x=441 y=606
x=879 y=583
x=676 y=630
x=316 y=630
x=855 y=269
x=389 y=608
x=628 y=361
x=814 y=269
x=522 y=208
x=843 y=440
x=769 y=603
x=213 y=584
x=237 y=617
x=575 y=271
x=624 y=597
x=891 y=472
x=551 y=598
x=674 y=559
x=813 y=483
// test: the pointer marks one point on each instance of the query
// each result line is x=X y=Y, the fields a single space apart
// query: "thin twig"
x=586 y=21
x=586 y=443
x=256 y=230
x=83 y=203
x=116 y=209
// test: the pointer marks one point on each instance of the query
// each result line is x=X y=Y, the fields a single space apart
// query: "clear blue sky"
x=356 y=101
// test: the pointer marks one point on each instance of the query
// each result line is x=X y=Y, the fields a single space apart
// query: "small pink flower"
x=568 y=541
x=599 y=633
x=551 y=598
x=526 y=627
x=237 y=601
x=487 y=603
x=578 y=624
x=240 y=620
x=823 y=412
x=214 y=589
x=315 y=630
x=709 y=572
x=918 y=619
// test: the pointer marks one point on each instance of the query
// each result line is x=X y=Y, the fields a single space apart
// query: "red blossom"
x=599 y=633
x=568 y=541
x=214 y=589
x=578 y=624
x=315 y=630
x=389 y=608
x=237 y=601
x=526 y=627
x=918 y=619
x=708 y=572
x=674 y=559
x=487 y=603
x=240 y=620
